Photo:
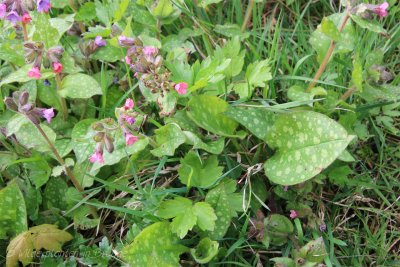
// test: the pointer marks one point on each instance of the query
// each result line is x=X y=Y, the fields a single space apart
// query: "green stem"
x=64 y=108
x=247 y=15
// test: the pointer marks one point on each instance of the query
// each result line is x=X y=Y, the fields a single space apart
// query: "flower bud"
x=55 y=54
x=26 y=108
x=33 y=117
x=10 y=104
x=98 y=126
x=126 y=41
x=23 y=98
x=98 y=137
x=109 y=143
x=115 y=30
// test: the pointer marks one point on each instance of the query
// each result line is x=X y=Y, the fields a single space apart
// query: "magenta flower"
x=381 y=10
x=181 y=88
x=99 y=41
x=125 y=41
x=286 y=188
x=293 y=214
x=26 y=18
x=129 y=119
x=149 y=50
x=97 y=156
x=130 y=139
x=129 y=104
x=34 y=72
x=322 y=227
x=13 y=17
x=48 y=114
x=3 y=10
x=128 y=60
x=43 y=5
x=57 y=67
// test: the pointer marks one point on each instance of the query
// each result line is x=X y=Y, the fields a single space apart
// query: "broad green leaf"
x=21 y=75
x=48 y=94
x=207 y=112
x=123 y=5
x=12 y=51
x=12 y=211
x=167 y=103
x=257 y=120
x=45 y=236
x=213 y=147
x=370 y=25
x=277 y=228
x=307 y=142
x=186 y=215
x=108 y=53
x=356 y=75
x=320 y=42
x=205 y=251
x=62 y=23
x=258 y=73
x=79 y=86
x=329 y=29
x=161 y=9
x=44 y=31
x=231 y=30
x=55 y=194
x=168 y=138
x=314 y=251
x=156 y=245
x=231 y=51
x=298 y=93
x=39 y=171
x=82 y=139
x=195 y=172
x=205 y=3
x=86 y=12
x=103 y=13
x=283 y=261
x=30 y=137
x=225 y=203
x=59 y=3
x=15 y=123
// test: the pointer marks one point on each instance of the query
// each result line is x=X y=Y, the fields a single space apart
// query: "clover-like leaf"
x=156 y=245
x=207 y=112
x=168 y=138
x=45 y=236
x=277 y=229
x=226 y=204
x=186 y=215
x=195 y=172
x=307 y=143
x=12 y=211
x=205 y=250
x=314 y=251
x=79 y=85
x=257 y=120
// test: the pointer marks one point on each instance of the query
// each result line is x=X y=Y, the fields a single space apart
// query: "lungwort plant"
x=187 y=133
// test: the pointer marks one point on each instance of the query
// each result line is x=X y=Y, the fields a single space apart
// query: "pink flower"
x=99 y=41
x=57 y=67
x=43 y=6
x=3 y=10
x=34 y=72
x=380 y=10
x=97 y=156
x=128 y=60
x=149 y=50
x=286 y=188
x=129 y=119
x=26 y=18
x=48 y=114
x=130 y=139
x=135 y=74
x=129 y=104
x=181 y=88
x=293 y=214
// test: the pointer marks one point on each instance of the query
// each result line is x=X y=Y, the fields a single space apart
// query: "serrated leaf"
x=368 y=24
x=207 y=112
x=258 y=73
x=168 y=138
x=213 y=147
x=329 y=29
x=45 y=236
x=307 y=143
x=257 y=120
x=44 y=31
x=205 y=251
x=156 y=245
x=186 y=215
x=225 y=203
x=13 y=218
x=231 y=50
x=79 y=86
x=195 y=172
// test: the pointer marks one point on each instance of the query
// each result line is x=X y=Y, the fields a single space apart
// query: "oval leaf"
x=79 y=86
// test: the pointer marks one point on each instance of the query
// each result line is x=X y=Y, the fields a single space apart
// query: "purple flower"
x=149 y=50
x=3 y=10
x=99 y=41
x=125 y=41
x=48 y=114
x=13 y=17
x=43 y=5
x=381 y=10
x=322 y=227
x=129 y=119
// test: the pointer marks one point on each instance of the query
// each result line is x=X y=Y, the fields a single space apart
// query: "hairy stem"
x=64 y=108
x=328 y=55
x=247 y=15
x=25 y=32
x=348 y=93
x=73 y=179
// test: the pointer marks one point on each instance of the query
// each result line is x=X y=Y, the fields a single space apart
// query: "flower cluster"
x=367 y=10
x=126 y=119
x=147 y=64
x=34 y=52
x=17 y=10
x=89 y=47
x=19 y=103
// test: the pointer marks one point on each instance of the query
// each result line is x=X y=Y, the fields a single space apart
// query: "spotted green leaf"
x=277 y=229
x=314 y=251
x=55 y=194
x=306 y=142
x=39 y=171
x=370 y=25
x=156 y=245
x=329 y=28
x=62 y=23
x=298 y=93
x=168 y=138
x=44 y=31
x=205 y=251
x=226 y=204
x=30 y=137
x=320 y=42
x=257 y=120
x=167 y=103
x=213 y=147
x=79 y=86
x=195 y=172
x=186 y=215
x=21 y=75
x=207 y=112
x=108 y=53
x=12 y=211
x=82 y=139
